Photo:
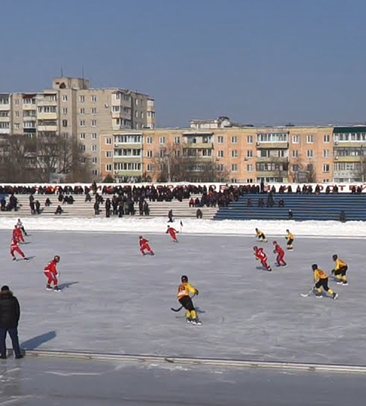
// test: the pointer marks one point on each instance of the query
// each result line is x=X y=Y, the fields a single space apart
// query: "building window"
x=296 y=139
x=148 y=168
x=220 y=167
x=161 y=139
x=108 y=167
x=249 y=168
x=249 y=153
x=234 y=168
x=295 y=167
x=108 y=154
x=309 y=139
x=176 y=140
x=220 y=153
x=149 y=140
x=234 y=180
x=64 y=123
x=250 y=139
x=149 y=154
x=82 y=136
x=234 y=153
x=94 y=123
x=108 y=140
x=81 y=99
x=94 y=160
x=234 y=139
x=94 y=136
x=93 y=98
x=95 y=172
x=220 y=139
x=17 y=114
x=295 y=153
x=64 y=97
x=82 y=148
x=94 y=148
x=326 y=138
x=310 y=153
x=94 y=110
x=137 y=102
x=64 y=110
x=136 y=114
x=17 y=102
x=17 y=126
x=326 y=168
x=82 y=123
x=82 y=111
x=326 y=153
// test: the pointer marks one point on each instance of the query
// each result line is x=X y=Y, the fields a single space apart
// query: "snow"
x=191 y=226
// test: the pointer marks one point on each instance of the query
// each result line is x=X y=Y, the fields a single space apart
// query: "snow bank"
x=191 y=226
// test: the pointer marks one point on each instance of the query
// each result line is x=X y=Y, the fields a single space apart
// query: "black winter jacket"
x=9 y=310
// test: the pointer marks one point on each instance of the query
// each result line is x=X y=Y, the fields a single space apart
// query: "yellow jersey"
x=259 y=233
x=184 y=289
x=339 y=264
x=290 y=236
x=319 y=274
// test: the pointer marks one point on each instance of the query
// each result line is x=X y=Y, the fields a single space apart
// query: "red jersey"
x=279 y=250
x=51 y=267
x=14 y=243
x=172 y=231
x=143 y=241
x=17 y=233
x=260 y=254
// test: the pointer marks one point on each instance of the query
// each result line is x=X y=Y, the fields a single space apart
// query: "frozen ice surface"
x=114 y=300
x=65 y=382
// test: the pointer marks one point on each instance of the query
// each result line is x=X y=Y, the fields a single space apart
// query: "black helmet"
x=255 y=248
x=335 y=257
x=314 y=266
x=184 y=279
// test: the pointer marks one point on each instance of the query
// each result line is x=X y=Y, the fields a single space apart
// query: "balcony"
x=275 y=160
x=47 y=116
x=122 y=114
x=349 y=158
x=271 y=174
x=272 y=145
x=199 y=145
x=4 y=130
x=30 y=118
x=4 y=119
x=4 y=107
x=42 y=127
x=29 y=106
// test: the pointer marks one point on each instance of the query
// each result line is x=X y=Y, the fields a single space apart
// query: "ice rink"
x=114 y=300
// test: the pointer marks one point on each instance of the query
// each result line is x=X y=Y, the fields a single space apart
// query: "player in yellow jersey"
x=260 y=235
x=184 y=289
x=340 y=271
x=321 y=281
x=290 y=240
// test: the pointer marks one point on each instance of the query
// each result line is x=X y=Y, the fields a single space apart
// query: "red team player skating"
x=261 y=256
x=18 y=234
x=51 y=273
x=145 y=246
x=14 y=247
x=173 y=233
x=280 y=260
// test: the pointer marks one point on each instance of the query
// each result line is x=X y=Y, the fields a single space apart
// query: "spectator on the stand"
x=281 y=203
x=199 y=213
x=170 y=216
x=249 y=203
x=96 y=208
x=191 y=202
x=107 y=207
x=59 y=210
x=290 y=214
x=298 y=190
x=88 y=198
x=38 y=207
x=260 y=202
x=146 y=208
x=47 y=203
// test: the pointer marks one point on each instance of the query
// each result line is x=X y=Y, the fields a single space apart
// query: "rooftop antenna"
x=62 y=72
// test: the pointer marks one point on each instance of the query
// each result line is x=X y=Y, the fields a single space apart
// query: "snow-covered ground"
x=193 y=226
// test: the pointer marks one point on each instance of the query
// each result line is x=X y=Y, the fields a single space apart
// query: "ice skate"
x=48 y=287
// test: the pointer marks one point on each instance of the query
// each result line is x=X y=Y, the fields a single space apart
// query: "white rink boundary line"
x=199 y=361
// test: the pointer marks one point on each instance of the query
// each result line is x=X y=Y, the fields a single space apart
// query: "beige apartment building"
x=71 y=108
x=241 y=154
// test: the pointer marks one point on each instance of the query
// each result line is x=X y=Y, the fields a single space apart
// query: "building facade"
x=240 y=154
x=71 y=108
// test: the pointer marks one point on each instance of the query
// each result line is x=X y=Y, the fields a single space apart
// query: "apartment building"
x=242 y=154
x=71 y=108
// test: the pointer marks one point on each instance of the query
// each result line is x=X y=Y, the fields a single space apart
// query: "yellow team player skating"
x=340 y=271
x=321 y=281
x=290 y=240
x=260 y=235
x=184 y=289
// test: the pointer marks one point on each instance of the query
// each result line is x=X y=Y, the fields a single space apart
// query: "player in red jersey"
x=51 y=273
x=261 y=256
x=14 y=247
x=144 y=245
x=18 y=234
x=280 y=260
x=173 y=233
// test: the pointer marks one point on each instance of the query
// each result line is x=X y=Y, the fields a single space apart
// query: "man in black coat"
x=9 y=318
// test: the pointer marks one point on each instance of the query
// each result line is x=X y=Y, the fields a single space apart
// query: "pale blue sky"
x=256 y=61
